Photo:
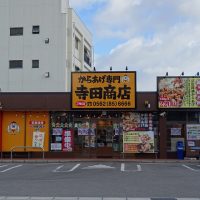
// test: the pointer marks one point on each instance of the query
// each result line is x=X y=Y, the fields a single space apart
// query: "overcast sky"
x=151 y=37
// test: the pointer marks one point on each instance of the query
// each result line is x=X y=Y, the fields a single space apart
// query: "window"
x=15 y=31
x=176 y=116
x=35 y=63
x=36 y=29
x=87 y=56
x=76 y=43
x=193 y=117
x=15 y=64
x=77 y=69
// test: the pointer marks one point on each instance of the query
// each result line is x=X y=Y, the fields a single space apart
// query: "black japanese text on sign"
x=103 y=90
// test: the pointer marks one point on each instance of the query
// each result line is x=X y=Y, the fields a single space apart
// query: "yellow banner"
x=103 y=90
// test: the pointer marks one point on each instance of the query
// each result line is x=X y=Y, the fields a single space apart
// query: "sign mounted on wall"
x=178 y=92
x=38 y=139
x=103 y=90
x=193 y=131
x=13 y=128
x=138 y=142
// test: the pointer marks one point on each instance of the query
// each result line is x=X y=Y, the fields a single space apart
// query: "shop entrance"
x=104 y=138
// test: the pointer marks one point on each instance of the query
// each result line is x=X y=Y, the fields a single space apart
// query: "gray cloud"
x=158 y=36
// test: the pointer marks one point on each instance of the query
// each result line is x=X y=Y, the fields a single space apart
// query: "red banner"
x=67 y=140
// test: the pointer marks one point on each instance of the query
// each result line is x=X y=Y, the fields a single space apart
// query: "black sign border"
x=109 y=72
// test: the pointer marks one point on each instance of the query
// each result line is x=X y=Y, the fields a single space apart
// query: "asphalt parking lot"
x=100 y=179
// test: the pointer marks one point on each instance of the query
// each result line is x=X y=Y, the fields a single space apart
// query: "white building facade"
x=41 y=43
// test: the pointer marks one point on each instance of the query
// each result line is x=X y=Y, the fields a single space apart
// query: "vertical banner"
x=38 y=139
x=37 y=122
x=67 y=140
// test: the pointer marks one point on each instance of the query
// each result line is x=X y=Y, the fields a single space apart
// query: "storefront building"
x=68 y=133
x=149 y=128
x=179 y=105
x=101 y=134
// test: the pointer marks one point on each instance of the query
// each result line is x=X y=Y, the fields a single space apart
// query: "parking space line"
x=73 y=168
x=190 y=168
x=122 y=167
x=3 y=165
x=139 y=168
x=61 y=166
x=11 y=168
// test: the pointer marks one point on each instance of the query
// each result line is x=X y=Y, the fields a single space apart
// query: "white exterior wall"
x=77 y=29
x=52 y=17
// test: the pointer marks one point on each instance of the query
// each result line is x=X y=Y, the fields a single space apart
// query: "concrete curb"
x=98 y=160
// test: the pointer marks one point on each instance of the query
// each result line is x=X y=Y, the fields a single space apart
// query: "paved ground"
x=90 y=198
x=100 y=180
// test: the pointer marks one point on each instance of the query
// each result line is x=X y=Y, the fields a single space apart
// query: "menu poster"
x=67 y=140
x=90 y=141
x=178 y=92
x=138 y=142
x=137 y=121
x=38 y=139
x=193 y=131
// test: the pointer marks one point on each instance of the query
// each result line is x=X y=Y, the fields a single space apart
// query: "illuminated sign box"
x=178 y=92
x=103 y=90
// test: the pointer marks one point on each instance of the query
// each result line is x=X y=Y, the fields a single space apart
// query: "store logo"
x=81 y=103
x=13 y=128
x=125 y=79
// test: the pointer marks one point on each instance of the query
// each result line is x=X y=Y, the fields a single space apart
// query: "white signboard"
x=38 y=139
x=193 y=132
x=175 y=131
x=191 y=143
x=56 y=146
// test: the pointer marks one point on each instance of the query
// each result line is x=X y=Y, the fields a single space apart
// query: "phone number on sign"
x=109 y=103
